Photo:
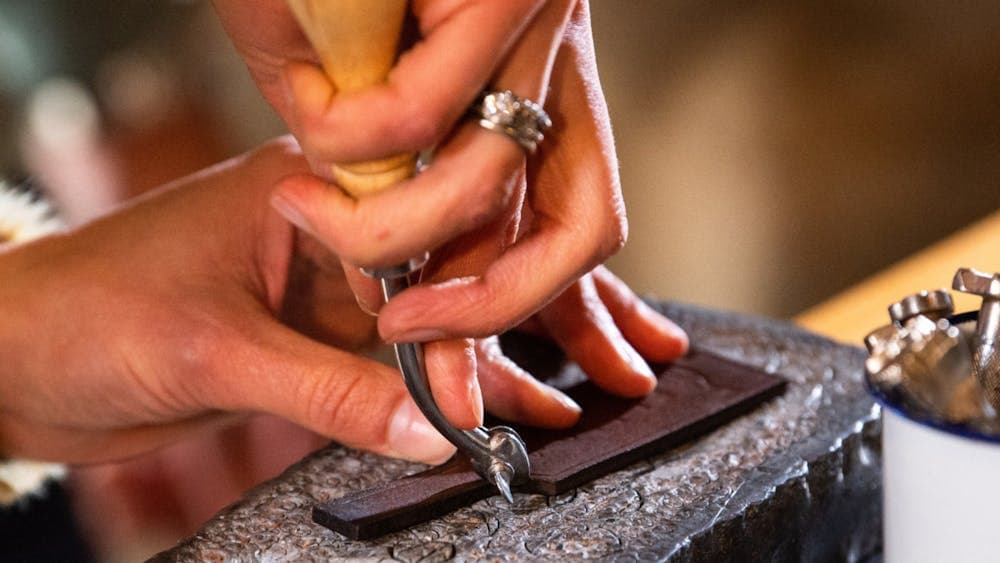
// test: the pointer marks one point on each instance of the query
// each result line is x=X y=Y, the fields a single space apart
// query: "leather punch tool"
x=357 y=43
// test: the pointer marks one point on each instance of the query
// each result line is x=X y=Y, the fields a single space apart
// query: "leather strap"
x=694 y=395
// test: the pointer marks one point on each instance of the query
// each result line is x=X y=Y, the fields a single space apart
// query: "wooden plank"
x=852 y=314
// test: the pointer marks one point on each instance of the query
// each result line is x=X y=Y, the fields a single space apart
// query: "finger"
x=464 y=255
x=319 y=301
x=266 y=35
x=426 y=93
x=583 y=327
x=470 y=182
x=348 y=398
x=525 y=278
x=451 y=371
x=367 y=290
x=452 y=197
x=579 y=221
x=513 y=394
x=654 y=336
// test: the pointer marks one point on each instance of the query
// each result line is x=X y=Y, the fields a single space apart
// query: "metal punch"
x=985 y=359
x=357 y=42
x=913 y=352
x=498 y=454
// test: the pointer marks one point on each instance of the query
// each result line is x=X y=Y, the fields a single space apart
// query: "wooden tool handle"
x=356 y=41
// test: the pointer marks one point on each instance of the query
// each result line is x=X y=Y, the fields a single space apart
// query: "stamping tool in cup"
x=937 y=377
x=357 y=42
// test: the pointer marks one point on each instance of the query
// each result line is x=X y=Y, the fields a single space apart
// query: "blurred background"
x=772 y=153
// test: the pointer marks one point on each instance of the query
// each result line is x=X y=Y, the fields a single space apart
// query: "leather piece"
x=694 y=395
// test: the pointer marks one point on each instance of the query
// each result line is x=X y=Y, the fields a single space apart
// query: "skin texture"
x=188 y=293
x=205 y=304
x=182 y=315
x=163 y=318
x=489 y=219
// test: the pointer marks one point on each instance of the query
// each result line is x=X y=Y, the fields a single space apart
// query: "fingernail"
x=417 y=335
x=564 y=400
x=364 y=307
x=638 y=365
x=476 y=400
x=290 y=212
x=635 y=361
x=412 y=437
x=668 y=328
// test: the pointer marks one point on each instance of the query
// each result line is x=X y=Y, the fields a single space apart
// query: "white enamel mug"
x=941 y=492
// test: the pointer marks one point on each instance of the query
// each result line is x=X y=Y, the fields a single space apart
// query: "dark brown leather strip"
x=399 y=504
x=695 y=395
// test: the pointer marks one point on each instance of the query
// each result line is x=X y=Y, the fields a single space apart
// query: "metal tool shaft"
x=498 y=454
x=357 y=40
x=986 y=357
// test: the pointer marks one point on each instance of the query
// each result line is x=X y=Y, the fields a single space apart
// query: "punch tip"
x=500 y=480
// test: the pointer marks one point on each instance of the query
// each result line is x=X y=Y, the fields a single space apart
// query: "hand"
x=602 y=326
x=170 y=493
x=163 y=319
x=475 y=178
x=486 y=283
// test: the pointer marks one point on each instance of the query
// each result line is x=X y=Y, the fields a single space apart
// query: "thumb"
x=348 y=398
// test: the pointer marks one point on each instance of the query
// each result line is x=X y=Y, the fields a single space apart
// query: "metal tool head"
x=399 y=270
x=932 y=304
x=985 y=360
x=922 y=360
x=973 y=281
x=876 y=340
x=509 y=464
x=498 y=454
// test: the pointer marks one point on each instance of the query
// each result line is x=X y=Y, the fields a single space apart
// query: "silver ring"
x=399 y=270
x=519 y=118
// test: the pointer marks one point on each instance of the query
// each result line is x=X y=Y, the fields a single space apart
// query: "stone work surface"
x=797 y=479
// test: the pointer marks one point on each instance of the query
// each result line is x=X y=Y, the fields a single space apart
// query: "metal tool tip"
x=501 y=480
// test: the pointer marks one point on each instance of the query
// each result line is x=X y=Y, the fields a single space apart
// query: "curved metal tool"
x=357 y=42
x=498 y=454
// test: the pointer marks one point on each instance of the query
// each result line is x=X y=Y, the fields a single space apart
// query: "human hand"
x=162 y=319
x=473 y=184
x=602 y=326
x=475 y=174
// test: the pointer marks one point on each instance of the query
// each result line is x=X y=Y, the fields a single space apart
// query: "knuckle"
x=421 y=124
x=200 y=348
x=486 y=207
x=204 y=351
x=489 y=198
x=613 y=235
x=327 y=398
x=360 y=252
x=370 y=241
